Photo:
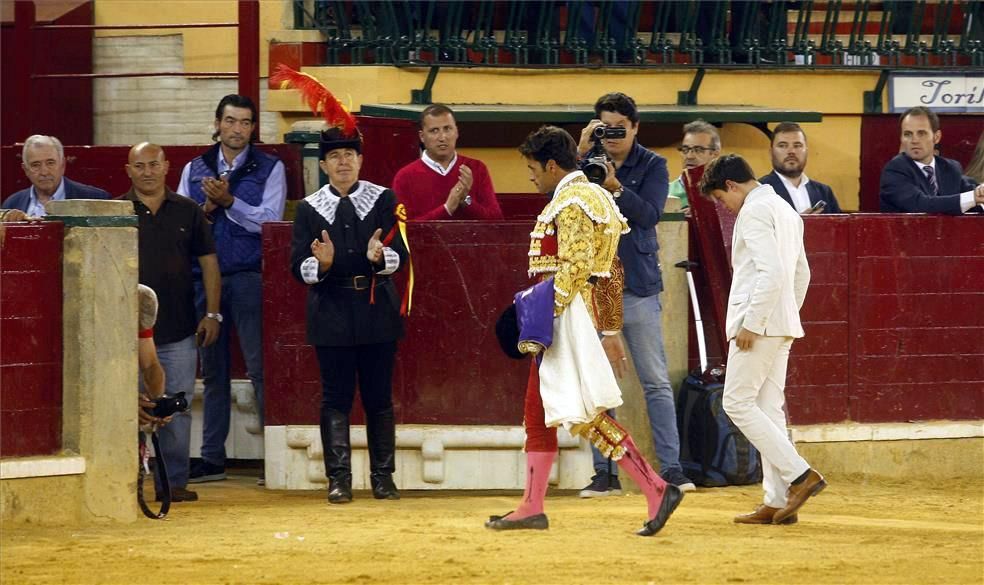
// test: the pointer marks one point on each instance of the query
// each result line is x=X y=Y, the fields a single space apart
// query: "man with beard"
x=789 y=152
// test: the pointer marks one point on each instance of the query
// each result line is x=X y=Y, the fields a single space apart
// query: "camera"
x=593 y=164
x=165 y=406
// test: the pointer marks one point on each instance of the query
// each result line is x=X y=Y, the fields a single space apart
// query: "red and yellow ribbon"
x=401 y=224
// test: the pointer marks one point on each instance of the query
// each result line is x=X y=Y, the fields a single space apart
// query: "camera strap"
x=164 y=487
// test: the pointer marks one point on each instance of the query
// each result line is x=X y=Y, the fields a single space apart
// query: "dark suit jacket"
x=905 y=188
x=21 y=199
x=817 y=190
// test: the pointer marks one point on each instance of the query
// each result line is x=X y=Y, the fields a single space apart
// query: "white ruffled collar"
x=325 y=202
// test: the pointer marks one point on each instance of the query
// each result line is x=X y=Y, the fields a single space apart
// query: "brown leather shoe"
x=797 y=495
x=763 y=515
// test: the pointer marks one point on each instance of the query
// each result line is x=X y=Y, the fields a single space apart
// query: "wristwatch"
x=216 y=316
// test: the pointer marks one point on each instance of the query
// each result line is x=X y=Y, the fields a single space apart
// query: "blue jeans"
x=180 y=363
x=643 y=330
x=241 y=306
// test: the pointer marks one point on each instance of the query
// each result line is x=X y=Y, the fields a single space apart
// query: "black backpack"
x=713 y=452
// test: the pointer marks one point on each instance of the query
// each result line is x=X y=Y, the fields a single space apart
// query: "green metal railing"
x=894 y=33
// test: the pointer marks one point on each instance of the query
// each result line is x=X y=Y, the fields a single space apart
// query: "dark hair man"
x=640 y=183
x=173 y=234
x=573 y=247
x=789 y=153
x=700 y=145
x=918 y=181
x=768 y=286
x=239 y=188
x=443 y=184
x=345 y=247
x=43 y=160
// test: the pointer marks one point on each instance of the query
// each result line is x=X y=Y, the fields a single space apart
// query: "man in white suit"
x=769 y=282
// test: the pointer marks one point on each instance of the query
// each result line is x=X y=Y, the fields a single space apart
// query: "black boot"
x=381 y=436
x=338 y=455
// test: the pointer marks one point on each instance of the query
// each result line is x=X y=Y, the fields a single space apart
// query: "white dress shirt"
x=436 y=166
x=966 y=198
x=799 y=195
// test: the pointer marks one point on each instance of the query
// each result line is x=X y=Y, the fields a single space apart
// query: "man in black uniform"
x=345 y=247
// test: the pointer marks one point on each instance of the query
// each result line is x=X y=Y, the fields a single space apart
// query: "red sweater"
x=423 y=191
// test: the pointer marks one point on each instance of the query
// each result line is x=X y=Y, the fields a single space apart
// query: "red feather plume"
x=319 y=99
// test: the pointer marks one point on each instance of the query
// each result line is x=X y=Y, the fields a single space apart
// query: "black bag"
x=713 y=452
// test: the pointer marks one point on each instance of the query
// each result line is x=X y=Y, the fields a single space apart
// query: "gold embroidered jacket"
x=576 y=237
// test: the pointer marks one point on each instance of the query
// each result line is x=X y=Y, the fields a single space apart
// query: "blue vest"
x=238 y=249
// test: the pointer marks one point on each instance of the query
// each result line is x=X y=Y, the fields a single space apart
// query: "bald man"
x=174 y=233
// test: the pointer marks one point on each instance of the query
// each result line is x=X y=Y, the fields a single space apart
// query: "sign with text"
x=937 y=91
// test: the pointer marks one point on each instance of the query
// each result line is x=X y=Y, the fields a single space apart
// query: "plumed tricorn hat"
x=342 y=131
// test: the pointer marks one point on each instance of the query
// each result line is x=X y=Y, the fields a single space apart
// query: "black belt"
x=359 y=282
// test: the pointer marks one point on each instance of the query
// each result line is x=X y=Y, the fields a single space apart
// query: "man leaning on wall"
x=43 y=160
x=918 y=181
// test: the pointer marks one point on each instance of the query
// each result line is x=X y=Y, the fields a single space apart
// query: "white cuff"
x=392 y=260
x=967 y=201
x=309 y=270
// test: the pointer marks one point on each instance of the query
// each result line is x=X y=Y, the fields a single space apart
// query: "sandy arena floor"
x=854 y=532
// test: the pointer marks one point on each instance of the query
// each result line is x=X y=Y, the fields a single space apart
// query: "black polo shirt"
x=169 y=241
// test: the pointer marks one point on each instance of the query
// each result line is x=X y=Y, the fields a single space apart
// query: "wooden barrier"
x=892 y=321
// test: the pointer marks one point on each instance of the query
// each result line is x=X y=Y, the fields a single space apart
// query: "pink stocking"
x=651 y=484
x=538 y=464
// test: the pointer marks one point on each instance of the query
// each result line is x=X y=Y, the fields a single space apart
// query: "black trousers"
x=370 y=365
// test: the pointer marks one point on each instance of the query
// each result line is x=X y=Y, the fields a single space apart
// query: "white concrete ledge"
x=848 y=432
x=21 y=467
x=428 y=457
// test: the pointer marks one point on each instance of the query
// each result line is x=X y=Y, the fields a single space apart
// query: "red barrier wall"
x=916 y=292
x=892 y=318
x=450 y=369
x=30 y=339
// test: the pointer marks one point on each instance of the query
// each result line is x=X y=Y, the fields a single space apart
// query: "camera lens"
x=599 y=132
x=596 y=172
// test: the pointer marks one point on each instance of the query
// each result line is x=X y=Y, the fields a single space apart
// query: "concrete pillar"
x=100 y=272
x=672 y=234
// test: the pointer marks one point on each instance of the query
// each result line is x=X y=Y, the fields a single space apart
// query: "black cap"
x=334 y=138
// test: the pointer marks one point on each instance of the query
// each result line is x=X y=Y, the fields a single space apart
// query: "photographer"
x=151 y=372
x=640 y=183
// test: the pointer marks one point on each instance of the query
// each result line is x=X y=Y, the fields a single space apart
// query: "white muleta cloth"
x=576 y=380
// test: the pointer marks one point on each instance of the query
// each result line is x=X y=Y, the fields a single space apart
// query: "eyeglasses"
x=698 y=150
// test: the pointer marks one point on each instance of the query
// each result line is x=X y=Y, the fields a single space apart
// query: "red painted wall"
x=30 y=339
x=450 y=369
x=52 y=101
x=880 y=142
x=893 y=324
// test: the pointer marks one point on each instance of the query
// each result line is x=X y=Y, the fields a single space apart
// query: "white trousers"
x=754 y=397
